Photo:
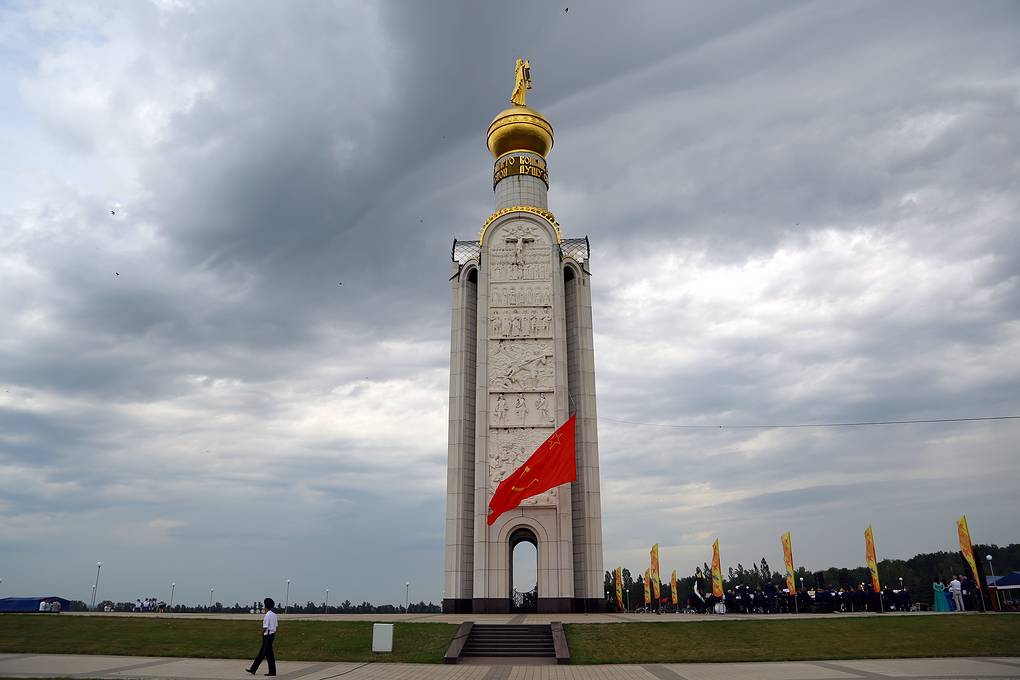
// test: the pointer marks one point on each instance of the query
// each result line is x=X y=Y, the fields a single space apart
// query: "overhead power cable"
x=802 y=425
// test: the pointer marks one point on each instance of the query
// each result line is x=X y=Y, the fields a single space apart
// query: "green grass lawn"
x=790 y=640
x=712 y=640
x=224 y=639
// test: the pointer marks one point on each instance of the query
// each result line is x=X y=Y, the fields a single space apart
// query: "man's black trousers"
x=266 y=653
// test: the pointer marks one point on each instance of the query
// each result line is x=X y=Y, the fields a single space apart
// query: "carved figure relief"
x=521 y=365
x=500 y=409
x=542 y=407
x=519 y=263
x=508 y=449
x=522 y=295
x=521 y=408
x=520 y=323
x=529 y=409
x=512 y=232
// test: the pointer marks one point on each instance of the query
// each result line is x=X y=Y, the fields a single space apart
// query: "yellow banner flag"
x=716 y=570
x=672 y=588
x=869 y=553
x=791 y=582
x=648 y=590
x=966 y=548
x=619 y=588
x=655 y=572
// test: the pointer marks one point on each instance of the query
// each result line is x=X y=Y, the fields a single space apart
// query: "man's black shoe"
x=248 y=670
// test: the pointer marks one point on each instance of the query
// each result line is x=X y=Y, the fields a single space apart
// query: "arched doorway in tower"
x=523 y=570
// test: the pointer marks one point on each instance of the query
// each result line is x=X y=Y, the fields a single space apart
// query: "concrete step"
x=534 y=642
x=509 y=641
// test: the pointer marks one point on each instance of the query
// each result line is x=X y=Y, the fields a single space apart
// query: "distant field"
x=792 y=640
x=224 y=639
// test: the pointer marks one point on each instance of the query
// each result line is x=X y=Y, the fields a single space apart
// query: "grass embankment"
x=714 y=640
x=221 y=639
x=786 y=640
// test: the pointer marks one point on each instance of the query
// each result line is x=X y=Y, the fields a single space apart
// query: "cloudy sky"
x=799 y=213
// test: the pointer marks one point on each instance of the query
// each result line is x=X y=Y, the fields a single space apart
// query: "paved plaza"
x=149 y=668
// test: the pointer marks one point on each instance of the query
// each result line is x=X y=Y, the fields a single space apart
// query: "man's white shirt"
x=269 y=622
x=955 y=586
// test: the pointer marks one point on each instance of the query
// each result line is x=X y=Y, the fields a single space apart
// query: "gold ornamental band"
x=519 y=164
x=544 y=214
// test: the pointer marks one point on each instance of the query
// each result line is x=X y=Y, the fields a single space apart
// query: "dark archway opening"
x=523 y=570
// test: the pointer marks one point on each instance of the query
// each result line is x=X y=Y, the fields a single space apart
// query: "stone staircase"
x=508 y=641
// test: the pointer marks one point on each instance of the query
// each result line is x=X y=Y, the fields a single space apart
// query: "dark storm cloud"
x=798 y=213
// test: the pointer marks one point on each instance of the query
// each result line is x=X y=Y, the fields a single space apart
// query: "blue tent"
x=1009 y=581
x=30 y=604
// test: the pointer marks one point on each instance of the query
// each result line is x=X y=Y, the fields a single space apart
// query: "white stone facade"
x=521 y=362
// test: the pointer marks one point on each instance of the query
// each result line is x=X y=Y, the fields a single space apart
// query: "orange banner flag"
x=672 y=588
x=619 y=588
x=869 y=553
x=966 y=548
x=655 y=572
x=716 y=571
x=553 y=463
x=791 y=581
x=648 y=590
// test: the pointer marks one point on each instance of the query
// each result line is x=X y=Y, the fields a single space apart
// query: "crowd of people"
x=821 y=599
x=149 y=604
x=960 y=595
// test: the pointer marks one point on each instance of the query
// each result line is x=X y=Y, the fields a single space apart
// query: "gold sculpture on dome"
x=520 y=127
x=522 y=82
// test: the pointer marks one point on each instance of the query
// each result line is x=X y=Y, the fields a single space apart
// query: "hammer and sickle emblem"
x=522 y=488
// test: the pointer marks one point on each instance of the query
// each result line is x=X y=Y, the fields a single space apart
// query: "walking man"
x=268 y=635
x=956 y=589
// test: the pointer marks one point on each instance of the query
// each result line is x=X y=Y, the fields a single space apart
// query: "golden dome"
x=519 y=128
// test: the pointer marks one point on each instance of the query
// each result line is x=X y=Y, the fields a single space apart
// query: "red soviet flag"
x=550 y=465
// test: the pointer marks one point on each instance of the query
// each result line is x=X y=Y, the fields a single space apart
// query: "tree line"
x=918 y=574
x=345 y=607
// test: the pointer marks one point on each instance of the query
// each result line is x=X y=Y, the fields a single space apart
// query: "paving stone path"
x=150 y=668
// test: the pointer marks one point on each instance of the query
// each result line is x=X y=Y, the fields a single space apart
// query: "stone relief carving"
x=520 y=323
x=521 y=260
x=508 y=449
x=542 y=407
x=521 y=370
x=518 y=230
x=521 y=366
x=521 y=409
x=499 y=410
x=520 y=295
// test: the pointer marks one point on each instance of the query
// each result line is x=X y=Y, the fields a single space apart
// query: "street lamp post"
x=173 y=586
x=93 y=596
x=95 y=588
x=326 y=608
x=286 y=600
x=991 y=570
x=407 y=596
x=210 y=597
